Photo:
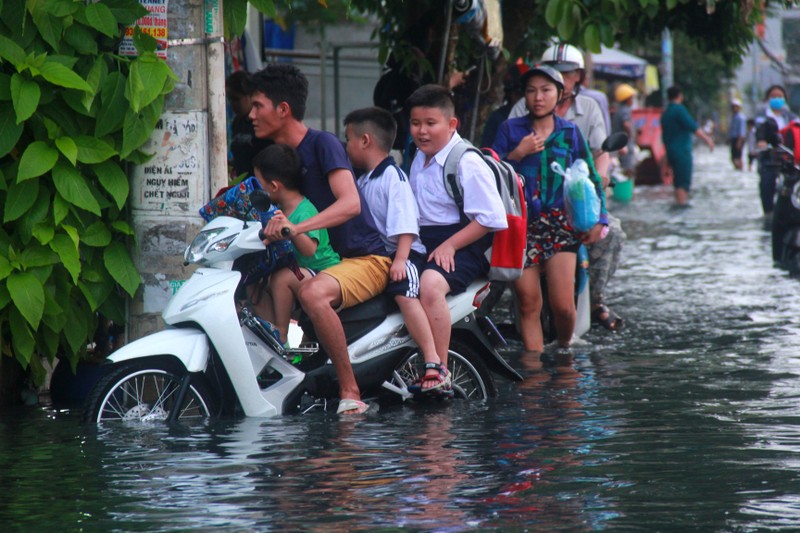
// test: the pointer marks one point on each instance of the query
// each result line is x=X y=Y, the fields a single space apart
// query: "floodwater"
x=687 y=420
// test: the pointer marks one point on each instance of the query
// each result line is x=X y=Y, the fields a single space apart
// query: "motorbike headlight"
x=195 y=252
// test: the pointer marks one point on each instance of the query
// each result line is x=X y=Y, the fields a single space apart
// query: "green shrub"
x=73 y=114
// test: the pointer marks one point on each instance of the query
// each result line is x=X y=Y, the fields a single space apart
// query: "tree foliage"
x=73 y=113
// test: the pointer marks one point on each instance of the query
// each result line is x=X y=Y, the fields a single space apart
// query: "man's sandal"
x=611 y=321
x=441 y=377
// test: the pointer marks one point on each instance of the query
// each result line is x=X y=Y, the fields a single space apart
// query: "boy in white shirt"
x=370 y=134
x=455 y=240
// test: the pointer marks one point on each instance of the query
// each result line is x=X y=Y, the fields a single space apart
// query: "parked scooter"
x=786 y=214
x=216 y=357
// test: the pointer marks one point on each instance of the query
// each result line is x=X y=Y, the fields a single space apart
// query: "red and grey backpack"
x=507 y=254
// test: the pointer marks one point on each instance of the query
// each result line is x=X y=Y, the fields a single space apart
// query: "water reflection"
x=686 y=420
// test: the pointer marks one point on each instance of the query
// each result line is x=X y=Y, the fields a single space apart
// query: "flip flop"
x=611 y=322
x=356 y=406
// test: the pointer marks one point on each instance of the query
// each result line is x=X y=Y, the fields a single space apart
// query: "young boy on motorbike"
x=277 y=169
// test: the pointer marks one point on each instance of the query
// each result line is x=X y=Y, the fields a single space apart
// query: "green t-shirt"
x=325 y=256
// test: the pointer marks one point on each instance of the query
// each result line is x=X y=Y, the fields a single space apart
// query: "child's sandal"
x=441 y=377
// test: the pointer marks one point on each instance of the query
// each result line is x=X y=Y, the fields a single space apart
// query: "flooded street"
x=687 y=420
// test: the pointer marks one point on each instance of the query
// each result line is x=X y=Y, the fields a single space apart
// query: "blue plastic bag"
x=580 y=195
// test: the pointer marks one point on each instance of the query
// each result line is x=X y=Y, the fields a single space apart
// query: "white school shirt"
x=436 y=206
x=387 y=192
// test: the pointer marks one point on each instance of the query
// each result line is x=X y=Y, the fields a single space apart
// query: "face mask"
x=776 y=103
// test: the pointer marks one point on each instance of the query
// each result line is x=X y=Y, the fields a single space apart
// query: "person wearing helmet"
x=583 y=110
x=737 y=132
x=530 y=144
x=586 y=113
x=623 y=121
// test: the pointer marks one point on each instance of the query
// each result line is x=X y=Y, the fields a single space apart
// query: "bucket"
x=623 y=191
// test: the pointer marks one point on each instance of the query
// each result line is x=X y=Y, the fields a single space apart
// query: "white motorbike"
x=217 y=358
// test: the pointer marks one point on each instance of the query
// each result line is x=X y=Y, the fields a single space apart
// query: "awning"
x=615 y=62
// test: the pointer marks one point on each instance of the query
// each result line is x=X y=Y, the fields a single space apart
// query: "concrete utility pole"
x=190 y=162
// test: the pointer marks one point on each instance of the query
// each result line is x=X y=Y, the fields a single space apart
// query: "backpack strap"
x=450 y=174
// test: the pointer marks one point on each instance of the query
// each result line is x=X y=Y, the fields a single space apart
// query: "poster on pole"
x=172 y=180
x=153 y=24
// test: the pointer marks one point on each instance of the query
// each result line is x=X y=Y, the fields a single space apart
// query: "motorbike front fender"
x=189 y=346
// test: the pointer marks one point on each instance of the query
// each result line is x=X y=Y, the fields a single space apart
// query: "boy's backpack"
x=507 y=254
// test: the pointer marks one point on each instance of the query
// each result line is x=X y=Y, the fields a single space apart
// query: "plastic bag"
x=580 y=195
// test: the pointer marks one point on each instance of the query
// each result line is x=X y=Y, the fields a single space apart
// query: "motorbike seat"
x=359 y=319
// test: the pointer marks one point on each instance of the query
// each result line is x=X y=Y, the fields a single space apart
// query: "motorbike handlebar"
x=284 y=232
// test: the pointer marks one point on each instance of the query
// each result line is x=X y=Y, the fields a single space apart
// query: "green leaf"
x=119 y=264
x=43 y=232
x=148 y=74
x=72 y=186
x=60 y=209
x=20 y=198
x=591 y=36
x=76 y=331
x=58 y=74
x=264 y=6
x=11 y=52
x=551 y=12
x=82 y=39
x=96 y=235
x=113 y=180
x=122 y=227
x=27 y=294
x=10 y=131
x=68 y=252
x=93 y=150
x=21 y=337
x=67 y=146
x=138 y=127
x=101 y=19
x=234 y=15
x=5 y=269
x=113 y=105
x=126 y=12
x=50 y=27
x=25 y=96
x=35 y=255
x=38 y=158
x=60 y=8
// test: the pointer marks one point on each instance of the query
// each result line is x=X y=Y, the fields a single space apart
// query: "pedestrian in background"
x=677 y=128
x=737 y=133
x=775 y=116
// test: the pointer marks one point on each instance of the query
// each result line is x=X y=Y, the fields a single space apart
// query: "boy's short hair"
x=279 y=162
x=432 y=95
x=673 y=92
x=238 y=82
x=282 y=82
x=379 y=122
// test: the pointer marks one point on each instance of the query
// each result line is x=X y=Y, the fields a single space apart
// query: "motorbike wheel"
x=471 y=378
x=145 y=391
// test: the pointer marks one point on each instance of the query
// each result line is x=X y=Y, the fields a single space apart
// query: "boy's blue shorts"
x=471 y=262
x=408 y=287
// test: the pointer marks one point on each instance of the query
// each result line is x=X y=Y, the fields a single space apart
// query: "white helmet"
x=563 y=57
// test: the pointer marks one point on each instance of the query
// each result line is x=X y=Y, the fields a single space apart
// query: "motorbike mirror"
x=260 y=200
x=615 y=141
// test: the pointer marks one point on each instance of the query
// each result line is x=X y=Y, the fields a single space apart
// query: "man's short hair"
x=279 y=162
x=673 y=92
x=282 y=82
x=376 y=121
x=432 y=95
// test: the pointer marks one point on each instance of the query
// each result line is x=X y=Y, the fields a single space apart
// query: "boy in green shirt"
x=277 y=169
